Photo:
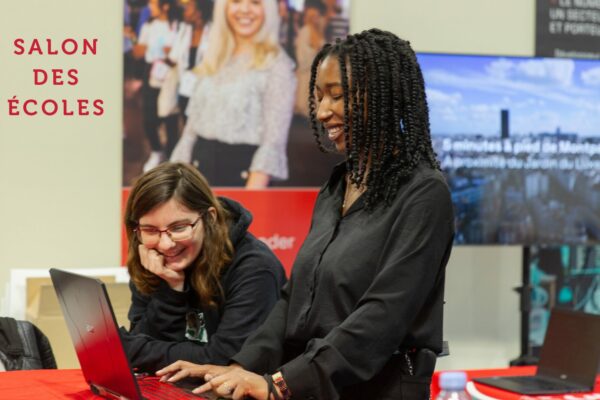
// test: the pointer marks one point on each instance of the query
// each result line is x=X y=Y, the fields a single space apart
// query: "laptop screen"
x=571 y=348
x=94 y=331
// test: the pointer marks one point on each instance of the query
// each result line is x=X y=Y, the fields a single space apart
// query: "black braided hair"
x=385 y=108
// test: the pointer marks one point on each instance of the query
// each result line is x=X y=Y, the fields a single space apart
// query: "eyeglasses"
x=150 y=236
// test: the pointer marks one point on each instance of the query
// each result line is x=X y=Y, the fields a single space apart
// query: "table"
x=480 y=391
x=47 y=384
x=69 y=384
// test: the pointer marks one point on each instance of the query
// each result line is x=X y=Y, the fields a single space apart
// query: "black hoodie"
x=159 y=333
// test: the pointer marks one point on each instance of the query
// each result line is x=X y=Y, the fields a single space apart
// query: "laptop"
x=93 y=327
x=569 y=358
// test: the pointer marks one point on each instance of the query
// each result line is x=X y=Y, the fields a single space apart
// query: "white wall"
x=60 y=177
x=458 y=26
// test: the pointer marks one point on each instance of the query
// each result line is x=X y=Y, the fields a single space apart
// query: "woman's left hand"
x=257 y=180
x=236 y=383
x=185 y=369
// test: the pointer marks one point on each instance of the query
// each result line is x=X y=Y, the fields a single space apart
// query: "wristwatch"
x=281 y=385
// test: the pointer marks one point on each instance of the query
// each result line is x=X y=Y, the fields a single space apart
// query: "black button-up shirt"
x=363 y=286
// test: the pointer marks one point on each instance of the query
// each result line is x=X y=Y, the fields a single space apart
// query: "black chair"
x=24 y=346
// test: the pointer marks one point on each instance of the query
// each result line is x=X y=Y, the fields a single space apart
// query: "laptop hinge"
x=104 y=392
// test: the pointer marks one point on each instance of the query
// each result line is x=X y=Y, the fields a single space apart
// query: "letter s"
x=19 y=45
x=98 y=106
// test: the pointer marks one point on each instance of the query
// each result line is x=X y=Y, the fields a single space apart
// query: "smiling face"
x=181 y=254
x=329 y=96
x=245 y=17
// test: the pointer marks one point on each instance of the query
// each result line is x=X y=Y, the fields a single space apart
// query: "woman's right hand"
x=154 y=262
x=230 y=382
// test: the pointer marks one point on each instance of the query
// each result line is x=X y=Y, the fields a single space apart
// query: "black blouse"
x=363 y=286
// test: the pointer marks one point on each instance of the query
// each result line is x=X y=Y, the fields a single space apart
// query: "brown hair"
x=187 y=186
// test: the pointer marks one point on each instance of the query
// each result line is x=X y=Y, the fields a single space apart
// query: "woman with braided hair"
x=361 y=317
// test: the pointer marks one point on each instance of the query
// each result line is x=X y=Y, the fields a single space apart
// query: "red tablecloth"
x=48 y=384
x=503 y=394
x=69 y=384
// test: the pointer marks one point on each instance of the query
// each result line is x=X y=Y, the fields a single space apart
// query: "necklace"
x=352 y=193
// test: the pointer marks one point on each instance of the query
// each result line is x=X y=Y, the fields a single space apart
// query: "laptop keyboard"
x=153 y=389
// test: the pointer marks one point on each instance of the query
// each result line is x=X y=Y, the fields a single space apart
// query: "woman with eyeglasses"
x=200 y=282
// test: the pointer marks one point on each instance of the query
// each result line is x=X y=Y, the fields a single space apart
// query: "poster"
x=567 y=28
x=304 y=26
x=244 y=119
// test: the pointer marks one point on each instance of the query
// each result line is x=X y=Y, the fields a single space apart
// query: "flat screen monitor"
x=519 y=141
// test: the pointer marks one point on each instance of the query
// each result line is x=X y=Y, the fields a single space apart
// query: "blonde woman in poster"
x=240 y=111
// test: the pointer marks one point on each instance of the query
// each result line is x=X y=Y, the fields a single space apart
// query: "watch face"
x=280 y=382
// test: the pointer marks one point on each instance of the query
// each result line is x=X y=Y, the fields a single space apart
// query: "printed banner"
x=568 y=28
x=242 y=115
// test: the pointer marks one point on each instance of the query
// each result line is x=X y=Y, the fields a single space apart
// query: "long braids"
x=380 y=77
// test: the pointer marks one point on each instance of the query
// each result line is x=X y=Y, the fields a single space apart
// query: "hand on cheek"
x=154 y=262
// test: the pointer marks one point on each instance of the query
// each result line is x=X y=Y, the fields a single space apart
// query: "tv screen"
x=519 y=141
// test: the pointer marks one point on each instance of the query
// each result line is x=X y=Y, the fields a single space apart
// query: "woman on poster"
x=361 y=317
x=241 y=108
x=154 y=43
x=189 y=46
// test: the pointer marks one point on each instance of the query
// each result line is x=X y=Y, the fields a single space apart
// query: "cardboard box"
x=44 y=311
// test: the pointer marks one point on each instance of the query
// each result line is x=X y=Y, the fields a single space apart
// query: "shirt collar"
x=338 y=173
x=335 y=188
